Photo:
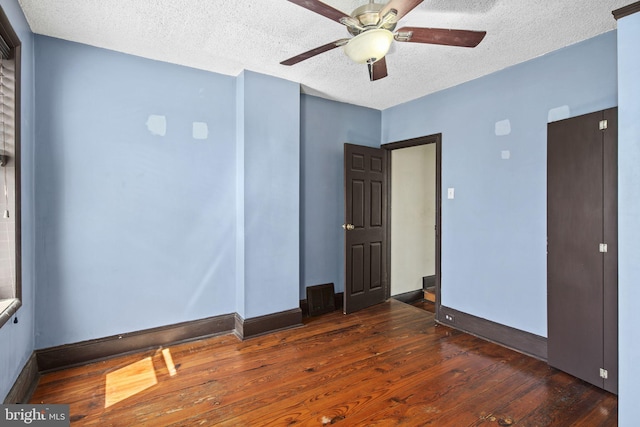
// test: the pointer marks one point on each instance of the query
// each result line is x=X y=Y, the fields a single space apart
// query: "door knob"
x=348 y=226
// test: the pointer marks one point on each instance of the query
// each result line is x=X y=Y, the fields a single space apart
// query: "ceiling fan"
x=373 y=25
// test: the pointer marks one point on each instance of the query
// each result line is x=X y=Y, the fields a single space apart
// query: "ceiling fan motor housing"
x=369 y=16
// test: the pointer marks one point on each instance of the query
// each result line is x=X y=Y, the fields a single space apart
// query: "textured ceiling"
x=228 y=36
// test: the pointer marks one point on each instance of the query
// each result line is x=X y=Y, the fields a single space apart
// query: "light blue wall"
x=136 y=219
x=325 y=127
x=17 y=340
x=629 y=218
x=271 y=161
x=494 y=231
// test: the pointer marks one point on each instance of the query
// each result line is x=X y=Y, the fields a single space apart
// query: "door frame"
x=422 y=140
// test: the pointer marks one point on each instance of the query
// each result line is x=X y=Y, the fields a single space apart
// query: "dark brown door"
x=365 y=226
x=581 y=275
x=610 y=258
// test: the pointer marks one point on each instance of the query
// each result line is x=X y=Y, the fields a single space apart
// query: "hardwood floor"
x=425 y=305
x=385 y=365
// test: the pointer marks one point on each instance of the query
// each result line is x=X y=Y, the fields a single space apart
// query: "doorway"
x=414 y=217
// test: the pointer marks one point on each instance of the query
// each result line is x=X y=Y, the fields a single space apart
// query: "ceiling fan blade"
x=321 y=9
x=463 y=38
x=402 y=6
x=313 y=52
x=378 y=69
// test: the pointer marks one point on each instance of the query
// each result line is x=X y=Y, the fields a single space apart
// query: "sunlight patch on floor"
x=130 y=380
x=169 y=361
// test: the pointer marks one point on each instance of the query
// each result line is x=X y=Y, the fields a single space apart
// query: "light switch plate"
x=450 y=193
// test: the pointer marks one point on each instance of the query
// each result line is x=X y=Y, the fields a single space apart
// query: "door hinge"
x=603 y=247
x=603 y=124
x=604 y=374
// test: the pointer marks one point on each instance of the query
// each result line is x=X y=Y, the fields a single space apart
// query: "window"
x=10 y=265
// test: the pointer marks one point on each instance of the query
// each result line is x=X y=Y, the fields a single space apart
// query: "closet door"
x=581 y=277
x=610 y=258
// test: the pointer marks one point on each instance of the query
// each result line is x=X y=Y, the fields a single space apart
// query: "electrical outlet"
x=449 y=317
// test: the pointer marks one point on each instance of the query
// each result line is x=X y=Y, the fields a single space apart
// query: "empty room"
x=445 y=230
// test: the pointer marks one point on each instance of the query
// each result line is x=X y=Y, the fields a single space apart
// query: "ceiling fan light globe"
x=369 y=45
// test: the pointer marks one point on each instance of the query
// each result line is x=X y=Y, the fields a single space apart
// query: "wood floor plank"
x=385 y=365
x=365 y=382
x=339 y=369
x=442 y=400
x=312 y=365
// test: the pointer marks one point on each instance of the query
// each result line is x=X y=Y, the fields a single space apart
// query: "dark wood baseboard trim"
x=339 y=300
x=515 y=339
x=25 y=383
x=255 y=326
x=65 y=356
x=69 y=355
x=409 y=297
x=429 y=282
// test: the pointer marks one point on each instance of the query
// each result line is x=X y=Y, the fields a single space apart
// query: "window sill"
x=7 y=309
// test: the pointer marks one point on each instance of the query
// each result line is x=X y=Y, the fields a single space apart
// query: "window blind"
x=7 y=177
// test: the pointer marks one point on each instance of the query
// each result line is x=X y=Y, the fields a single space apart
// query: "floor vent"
x=321 y=299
